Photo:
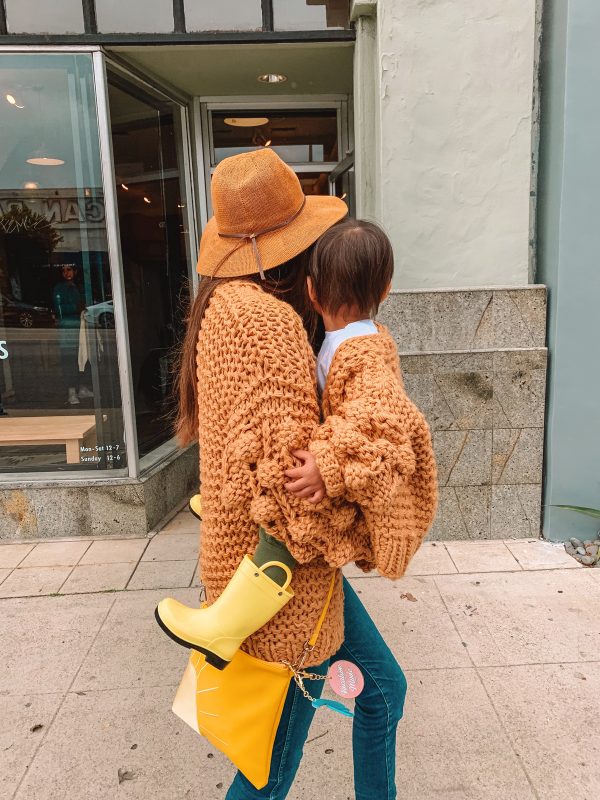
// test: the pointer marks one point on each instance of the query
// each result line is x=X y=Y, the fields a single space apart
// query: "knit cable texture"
x=374 y=448
x=257 y=403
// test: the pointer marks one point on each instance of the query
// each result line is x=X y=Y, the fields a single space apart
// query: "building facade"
x=114 y=115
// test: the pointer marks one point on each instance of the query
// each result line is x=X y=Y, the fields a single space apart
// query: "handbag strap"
x=313 y=639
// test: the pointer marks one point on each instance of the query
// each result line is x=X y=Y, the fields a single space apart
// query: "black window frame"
x=179 y=33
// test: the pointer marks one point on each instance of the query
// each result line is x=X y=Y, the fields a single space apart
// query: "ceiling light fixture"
x=272 y=77
x=125 y=187
x=42 y=156
x=11 y=99
x=267 y=143
x=30 y=185
x=245 y=122
x=147 y=200
x=44 y=161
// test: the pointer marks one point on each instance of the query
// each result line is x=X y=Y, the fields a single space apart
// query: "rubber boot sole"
x=211 y=658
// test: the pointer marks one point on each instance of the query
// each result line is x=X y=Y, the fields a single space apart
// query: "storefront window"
x=148 y=151
x=134 y=16
x=60 y=403
x=310 y=15
x=31 y=16
x=299 y=137
x=224 y=15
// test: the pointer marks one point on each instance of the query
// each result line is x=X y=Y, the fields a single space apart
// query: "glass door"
x=149 y=143
x=308 y=139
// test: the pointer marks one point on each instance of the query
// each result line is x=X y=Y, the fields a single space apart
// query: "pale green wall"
x=451 y=90
x=568 y=256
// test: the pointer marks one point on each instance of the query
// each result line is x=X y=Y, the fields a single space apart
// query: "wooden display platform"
x=70 y=431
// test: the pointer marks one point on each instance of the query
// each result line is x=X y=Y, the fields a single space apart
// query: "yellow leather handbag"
x=238 y=709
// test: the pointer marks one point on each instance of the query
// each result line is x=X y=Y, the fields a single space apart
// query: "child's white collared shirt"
x=333 y=339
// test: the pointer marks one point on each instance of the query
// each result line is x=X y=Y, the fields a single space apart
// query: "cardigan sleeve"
x=364 y=450
x=276 y=411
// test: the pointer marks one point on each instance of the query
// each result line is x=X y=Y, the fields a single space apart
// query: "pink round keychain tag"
x=346 y=679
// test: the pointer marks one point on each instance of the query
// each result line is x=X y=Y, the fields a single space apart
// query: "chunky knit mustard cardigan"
x=257 y=402
x=375 y=449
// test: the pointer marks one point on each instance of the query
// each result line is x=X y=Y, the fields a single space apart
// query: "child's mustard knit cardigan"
x=375 y=449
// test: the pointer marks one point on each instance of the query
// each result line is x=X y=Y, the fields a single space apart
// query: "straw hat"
x=262 y=217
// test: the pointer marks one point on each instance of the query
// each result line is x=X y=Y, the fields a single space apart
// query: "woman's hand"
x=306 y=480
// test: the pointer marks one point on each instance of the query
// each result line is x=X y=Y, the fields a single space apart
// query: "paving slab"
x=55 y=554
x=414 y=622
x=548 y=616
x=537 y=554
x=431 y=558
x=98 y=578
x=114 y=551
x=20 y=735
x=196 y=582
x=442 y=753
x=44 y=640
x=452 y=745
x=33 y=581
x=133 y=732
x=184 y=522
x=482 y=557
x=551 y=713
x=4 y=573
x=173 y=547
x=11 y=555
x=131 y=650
x=163 y=574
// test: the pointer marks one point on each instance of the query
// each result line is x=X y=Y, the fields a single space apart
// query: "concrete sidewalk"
x=500 y=642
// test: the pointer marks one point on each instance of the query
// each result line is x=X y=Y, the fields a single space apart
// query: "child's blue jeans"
x=377 y=711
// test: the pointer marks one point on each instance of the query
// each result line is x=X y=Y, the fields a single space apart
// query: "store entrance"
x=312 y=140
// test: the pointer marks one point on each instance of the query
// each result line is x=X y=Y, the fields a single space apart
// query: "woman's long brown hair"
x=286 y=282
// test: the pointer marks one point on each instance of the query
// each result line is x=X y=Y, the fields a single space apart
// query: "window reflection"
x=59 y=381
x=134 y=16
x=31 y=16
x=316 y=15
x=228 y=15
x=299 y=137
x=147 y=146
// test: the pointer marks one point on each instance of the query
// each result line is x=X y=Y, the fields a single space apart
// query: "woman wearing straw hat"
x=247 y=391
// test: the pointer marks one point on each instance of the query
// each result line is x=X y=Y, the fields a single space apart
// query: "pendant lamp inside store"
x=43 y=158
x=245 y=122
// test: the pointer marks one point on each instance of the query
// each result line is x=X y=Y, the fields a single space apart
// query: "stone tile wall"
x=125 y=507
x=475 y=363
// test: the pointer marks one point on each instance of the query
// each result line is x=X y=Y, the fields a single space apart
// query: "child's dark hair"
x=351 y=266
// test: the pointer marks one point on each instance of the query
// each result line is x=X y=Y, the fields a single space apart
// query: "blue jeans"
x=377 y=711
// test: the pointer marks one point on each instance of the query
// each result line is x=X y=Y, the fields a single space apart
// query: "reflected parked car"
x=101 y=315
x=16 y=314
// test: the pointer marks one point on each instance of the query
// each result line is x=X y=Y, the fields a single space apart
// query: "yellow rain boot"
x=195 y=506
x=248 y=602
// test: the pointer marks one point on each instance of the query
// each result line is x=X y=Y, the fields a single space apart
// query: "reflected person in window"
x=67 y=303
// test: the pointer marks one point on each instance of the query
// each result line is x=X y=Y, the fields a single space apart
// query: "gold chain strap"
x=300 y=675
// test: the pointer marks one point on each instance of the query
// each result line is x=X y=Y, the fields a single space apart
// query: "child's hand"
x=306 y=480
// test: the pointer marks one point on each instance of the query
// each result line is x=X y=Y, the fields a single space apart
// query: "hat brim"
x=224 y=257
